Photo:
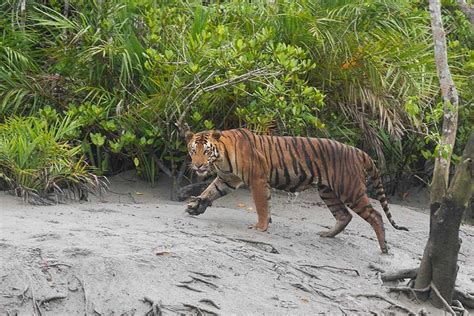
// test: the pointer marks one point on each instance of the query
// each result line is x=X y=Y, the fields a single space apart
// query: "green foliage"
x=127 y=71
x=38 y=164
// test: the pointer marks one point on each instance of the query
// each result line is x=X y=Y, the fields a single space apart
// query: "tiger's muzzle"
x=201 y=170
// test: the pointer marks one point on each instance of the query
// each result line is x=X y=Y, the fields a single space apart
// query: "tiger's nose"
x=198 y=165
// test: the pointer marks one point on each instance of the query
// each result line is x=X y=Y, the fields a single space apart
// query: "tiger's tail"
x=380 y=192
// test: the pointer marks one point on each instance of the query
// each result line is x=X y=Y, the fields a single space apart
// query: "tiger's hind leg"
x=338 y=210
x=364 y=209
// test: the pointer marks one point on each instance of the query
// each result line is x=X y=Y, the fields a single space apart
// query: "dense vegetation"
x=124 y=73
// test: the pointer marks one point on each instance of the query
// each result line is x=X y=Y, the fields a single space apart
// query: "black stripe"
x=318 y=171
x=227 y=184
x=307 y=160
x=322 y=153
x=226 y=154
x=218 y=190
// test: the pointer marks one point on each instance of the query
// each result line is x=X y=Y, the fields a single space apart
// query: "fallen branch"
x=402 y=274
x=380 y=297
x=331 y=267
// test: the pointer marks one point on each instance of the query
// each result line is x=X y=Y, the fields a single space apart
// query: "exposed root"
x=129 y=194
x=57 y=264
x=377 y=268
x=402 y=274
x=331 y=267
x=199 y=310
x=409 y=290
x=83 y=285
x=446 y=304
x=189 y=287
x=466 y=299
x=207 y=275
x=51 y=298
x=380 y=297
x=307 y=273
x=212 y=285
x=156 y=308
x=258 y=244
x=209 y=302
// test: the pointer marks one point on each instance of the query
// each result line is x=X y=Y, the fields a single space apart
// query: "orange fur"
x=291 y=164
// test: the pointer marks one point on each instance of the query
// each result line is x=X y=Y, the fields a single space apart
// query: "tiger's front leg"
x=218 y=188
x=261 y=194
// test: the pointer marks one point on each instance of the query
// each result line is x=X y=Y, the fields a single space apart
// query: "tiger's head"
x=203 y=148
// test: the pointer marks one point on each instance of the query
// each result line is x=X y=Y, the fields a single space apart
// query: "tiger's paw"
x=197 y=205
x=259 y=227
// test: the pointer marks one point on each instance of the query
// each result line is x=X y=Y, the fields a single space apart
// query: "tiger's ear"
x=189 y=135
x=216 y=134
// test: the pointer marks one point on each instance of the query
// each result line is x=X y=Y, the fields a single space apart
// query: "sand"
x=103 y=257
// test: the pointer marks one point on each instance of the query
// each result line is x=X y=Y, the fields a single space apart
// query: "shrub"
x=40 y=165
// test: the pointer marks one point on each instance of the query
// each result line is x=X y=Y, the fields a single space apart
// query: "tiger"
x=289 y=163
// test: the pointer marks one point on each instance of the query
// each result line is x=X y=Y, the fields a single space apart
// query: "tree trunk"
x=469 y=213
x=450 y=104
x=468 y=11
x=439 y=263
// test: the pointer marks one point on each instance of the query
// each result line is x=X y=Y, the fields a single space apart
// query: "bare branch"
x=199 y=90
